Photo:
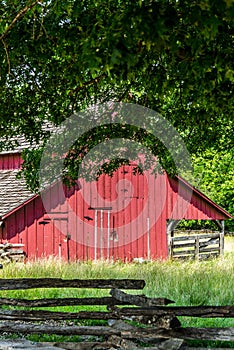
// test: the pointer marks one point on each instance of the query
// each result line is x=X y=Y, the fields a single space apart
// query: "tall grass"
x=187 y=283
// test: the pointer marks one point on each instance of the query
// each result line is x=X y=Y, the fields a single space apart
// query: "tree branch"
x=7 y=55
x=17 y=17
x=87 y=83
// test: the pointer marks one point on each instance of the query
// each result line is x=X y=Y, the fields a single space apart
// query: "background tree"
x=214 y=172
x=176 y=57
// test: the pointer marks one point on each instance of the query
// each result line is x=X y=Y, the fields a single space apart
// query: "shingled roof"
x=13 y=191
x=19 y=143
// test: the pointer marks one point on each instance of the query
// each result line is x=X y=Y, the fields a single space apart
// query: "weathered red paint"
x=199 y=208
x=140 y=207
x=10 y=161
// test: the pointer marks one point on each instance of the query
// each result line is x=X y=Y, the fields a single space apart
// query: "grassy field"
x=187 y=283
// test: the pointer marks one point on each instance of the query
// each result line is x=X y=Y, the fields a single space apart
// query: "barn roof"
x=13 y=192
x=204 y=198
x=19 y=143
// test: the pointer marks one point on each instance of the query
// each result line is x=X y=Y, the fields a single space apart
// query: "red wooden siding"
x=132 y=207
x=134 y=226
x=10 y=161
x=199 y=207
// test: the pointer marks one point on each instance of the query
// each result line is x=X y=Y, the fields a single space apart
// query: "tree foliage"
x=174 y=56
x=214 y=172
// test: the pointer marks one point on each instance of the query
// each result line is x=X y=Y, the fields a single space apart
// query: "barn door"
x=52 y=238
x=43 y=239
x=61 y=239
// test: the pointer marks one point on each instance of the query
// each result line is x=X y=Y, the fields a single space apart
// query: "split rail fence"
x=154 y=322
x=12 y=252
x=197 y=246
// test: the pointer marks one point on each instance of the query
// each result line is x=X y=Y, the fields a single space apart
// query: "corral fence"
x=131 y=321
x=12 y=252
x=196 y=246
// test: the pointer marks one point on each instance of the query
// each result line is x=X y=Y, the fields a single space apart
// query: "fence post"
x=170 y=246
x=221 y=240
x=196 y=248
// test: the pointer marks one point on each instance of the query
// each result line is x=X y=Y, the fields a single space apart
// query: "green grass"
x=187 y=283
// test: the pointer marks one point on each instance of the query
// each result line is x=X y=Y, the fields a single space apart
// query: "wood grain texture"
x=31 y=283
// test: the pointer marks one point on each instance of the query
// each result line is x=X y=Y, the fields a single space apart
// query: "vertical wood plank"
x=221 y=239
x=196 y=252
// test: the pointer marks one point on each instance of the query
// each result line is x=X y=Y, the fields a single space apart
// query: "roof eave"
x=12 y=211
x=204 y=197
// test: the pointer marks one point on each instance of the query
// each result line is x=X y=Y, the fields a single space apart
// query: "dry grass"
x=229 y=244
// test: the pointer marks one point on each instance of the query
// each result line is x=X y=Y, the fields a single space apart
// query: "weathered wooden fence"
x=157 y=323
x=12 y=252
x=197 y=246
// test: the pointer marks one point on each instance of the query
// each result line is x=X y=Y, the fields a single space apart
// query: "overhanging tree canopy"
x=176 y=57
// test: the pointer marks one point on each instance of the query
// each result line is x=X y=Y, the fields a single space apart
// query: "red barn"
x=123 y=217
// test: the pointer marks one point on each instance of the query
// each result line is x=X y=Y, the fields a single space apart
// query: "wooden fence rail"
x=197 y=246
x=157 y=322
x=150 y=333
x=12 y=252
x=135 y=314
x=32 y=283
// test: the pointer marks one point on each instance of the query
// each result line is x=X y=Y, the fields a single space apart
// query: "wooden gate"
x=198 y=246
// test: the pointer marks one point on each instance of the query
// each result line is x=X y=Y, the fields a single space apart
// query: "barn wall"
x=137 y=216
x=22 y=226
x=80 y=227
x=132 y=208
x=10 y=161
